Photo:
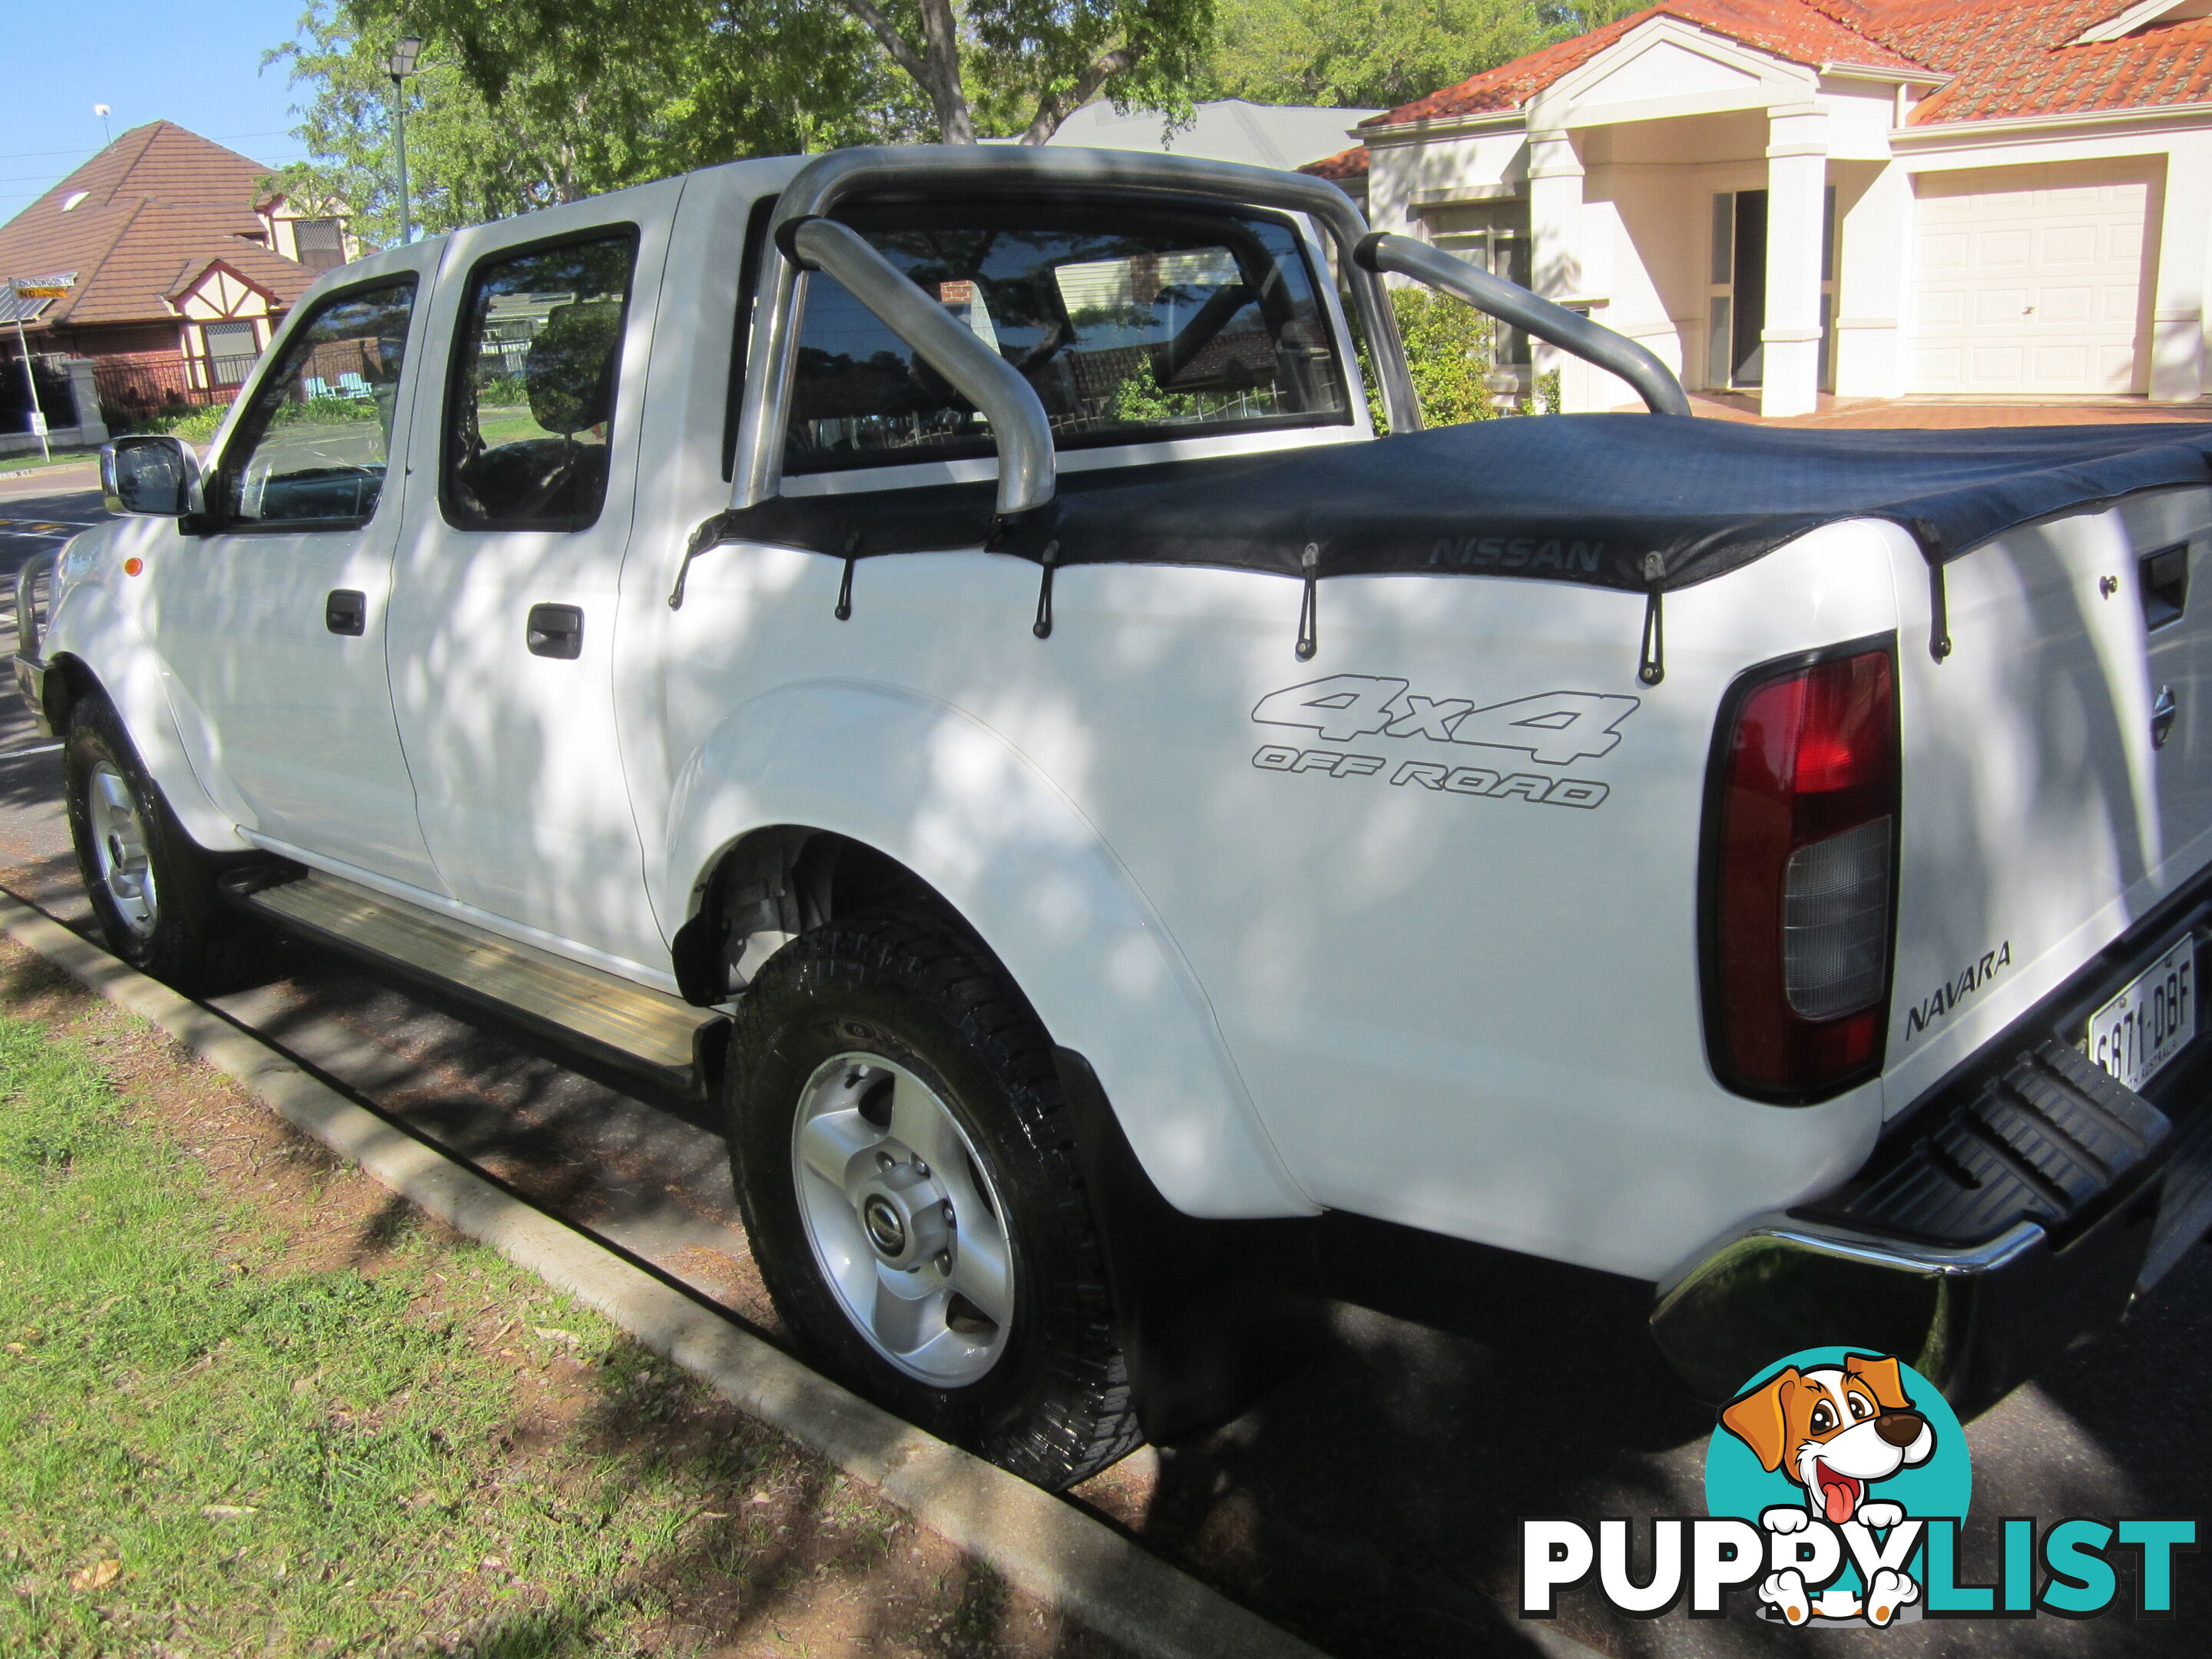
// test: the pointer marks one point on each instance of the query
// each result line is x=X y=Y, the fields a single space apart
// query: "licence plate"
x=2151 y=1021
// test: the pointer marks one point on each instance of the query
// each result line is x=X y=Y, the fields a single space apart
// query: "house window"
x=1492 y=236
x=231 y=348
x=320 y=242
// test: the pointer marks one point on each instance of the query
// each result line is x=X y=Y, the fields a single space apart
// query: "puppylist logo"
x=1836 y=1482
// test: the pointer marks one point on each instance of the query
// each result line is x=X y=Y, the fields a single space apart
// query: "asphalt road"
x=1371 y=1500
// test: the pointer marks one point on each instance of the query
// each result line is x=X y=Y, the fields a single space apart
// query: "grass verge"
x=278 y=1415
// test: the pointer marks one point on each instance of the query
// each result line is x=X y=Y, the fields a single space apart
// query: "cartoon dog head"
x=1837 y=1428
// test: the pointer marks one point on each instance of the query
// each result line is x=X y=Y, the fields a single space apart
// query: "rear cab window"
x=535 y=363
x=1134 y=324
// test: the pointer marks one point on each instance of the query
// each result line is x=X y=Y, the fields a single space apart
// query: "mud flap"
x=1210 y=1314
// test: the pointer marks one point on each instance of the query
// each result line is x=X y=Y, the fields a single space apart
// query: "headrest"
x=570 y=372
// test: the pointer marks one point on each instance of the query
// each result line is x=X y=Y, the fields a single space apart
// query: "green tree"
x=566 y=118
x=1028 y=64
x=1363 y=51
x=1385 y=53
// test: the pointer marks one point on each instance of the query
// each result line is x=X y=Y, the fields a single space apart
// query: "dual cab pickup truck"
x=932 y=646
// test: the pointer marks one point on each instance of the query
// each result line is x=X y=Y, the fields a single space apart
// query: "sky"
x=149 y=60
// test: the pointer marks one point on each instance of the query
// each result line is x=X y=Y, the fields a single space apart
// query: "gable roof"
x=156 y=201
x=1344 y=164
x=2005 y=58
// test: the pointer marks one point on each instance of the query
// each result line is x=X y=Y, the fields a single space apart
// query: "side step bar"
x=647 y=1031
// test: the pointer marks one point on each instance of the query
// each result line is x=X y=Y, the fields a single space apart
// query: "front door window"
x=311 y=449
x=1736 y=305
x=1735 y=301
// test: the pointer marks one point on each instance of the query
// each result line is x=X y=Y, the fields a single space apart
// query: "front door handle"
x=555 y=630
x=345 y=610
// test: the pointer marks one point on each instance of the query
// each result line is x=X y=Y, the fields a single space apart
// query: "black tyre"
x=911 y=1186
x=152 y=888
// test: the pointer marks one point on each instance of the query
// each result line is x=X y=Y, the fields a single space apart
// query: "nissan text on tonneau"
x=933 y=645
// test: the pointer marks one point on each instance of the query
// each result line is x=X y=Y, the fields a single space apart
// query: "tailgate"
x=2058 y=764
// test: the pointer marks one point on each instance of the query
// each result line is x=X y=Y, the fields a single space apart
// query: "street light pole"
x=399 y=63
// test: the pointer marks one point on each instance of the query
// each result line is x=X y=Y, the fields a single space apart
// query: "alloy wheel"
x=902 y=1219
x=119 y=843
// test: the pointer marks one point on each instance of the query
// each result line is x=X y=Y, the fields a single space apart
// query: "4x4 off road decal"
x=1553 y=728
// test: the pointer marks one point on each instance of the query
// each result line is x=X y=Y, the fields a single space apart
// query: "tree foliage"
x=521 y=104
x=1380 y=52
x=1448 y=352
x=504 y=119
x=1024 y=65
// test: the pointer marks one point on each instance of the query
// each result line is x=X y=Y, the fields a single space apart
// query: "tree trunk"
x=1056 y=106
x=941 y=33
x=935 y=68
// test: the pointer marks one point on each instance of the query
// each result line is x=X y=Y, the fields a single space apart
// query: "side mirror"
x=151 y=474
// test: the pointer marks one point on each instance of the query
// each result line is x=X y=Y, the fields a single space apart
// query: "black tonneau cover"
x=1580 y=498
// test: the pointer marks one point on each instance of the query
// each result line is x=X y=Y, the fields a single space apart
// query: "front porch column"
x=2179 y=318
x=1555 y=235
x=1874 y=269
x=1796 y=209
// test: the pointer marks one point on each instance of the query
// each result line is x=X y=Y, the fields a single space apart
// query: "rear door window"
x=1132 y=324
x=310 y=449
x=536 y=365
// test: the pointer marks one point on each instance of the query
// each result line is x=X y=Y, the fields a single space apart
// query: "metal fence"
x=139 y=391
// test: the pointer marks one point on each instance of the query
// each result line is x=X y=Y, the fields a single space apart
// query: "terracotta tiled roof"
x=2007 y=58
x=1791 y=29
x=1344 y=164
x=2017 y=59
x=1510 y=85
x=1794 y=30
x=151 y=211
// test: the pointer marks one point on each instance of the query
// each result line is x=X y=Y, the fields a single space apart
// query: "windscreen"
x=1133 y=324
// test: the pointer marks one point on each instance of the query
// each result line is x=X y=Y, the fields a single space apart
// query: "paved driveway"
x=1928 y=414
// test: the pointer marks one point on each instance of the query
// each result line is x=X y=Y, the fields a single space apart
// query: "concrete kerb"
x=1044 y=1545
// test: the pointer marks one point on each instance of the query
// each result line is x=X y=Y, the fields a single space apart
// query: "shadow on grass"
x=782 y=1553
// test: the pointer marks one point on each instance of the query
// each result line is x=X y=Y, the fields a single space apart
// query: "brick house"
x=1969 y=198
x=184 y=264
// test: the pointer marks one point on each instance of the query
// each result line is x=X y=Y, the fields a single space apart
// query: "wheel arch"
x=766 y=818
x=141 y=704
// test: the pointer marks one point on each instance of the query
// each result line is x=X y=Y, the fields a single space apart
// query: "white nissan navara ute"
x=931 y=646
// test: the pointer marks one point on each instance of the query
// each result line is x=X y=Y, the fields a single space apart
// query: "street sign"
x=45 y=287
x=54 y=287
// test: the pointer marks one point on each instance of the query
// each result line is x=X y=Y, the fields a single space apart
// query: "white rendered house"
x=1956 y=197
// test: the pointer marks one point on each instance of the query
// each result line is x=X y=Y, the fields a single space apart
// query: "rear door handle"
x=345 y=610
x=555 y=630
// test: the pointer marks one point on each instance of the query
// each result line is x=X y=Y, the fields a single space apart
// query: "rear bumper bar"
x=2025 y=1207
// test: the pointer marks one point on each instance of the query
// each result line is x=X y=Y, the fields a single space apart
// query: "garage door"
x=2031 y=280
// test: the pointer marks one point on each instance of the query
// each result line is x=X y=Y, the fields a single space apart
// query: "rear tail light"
x=1799 y=878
